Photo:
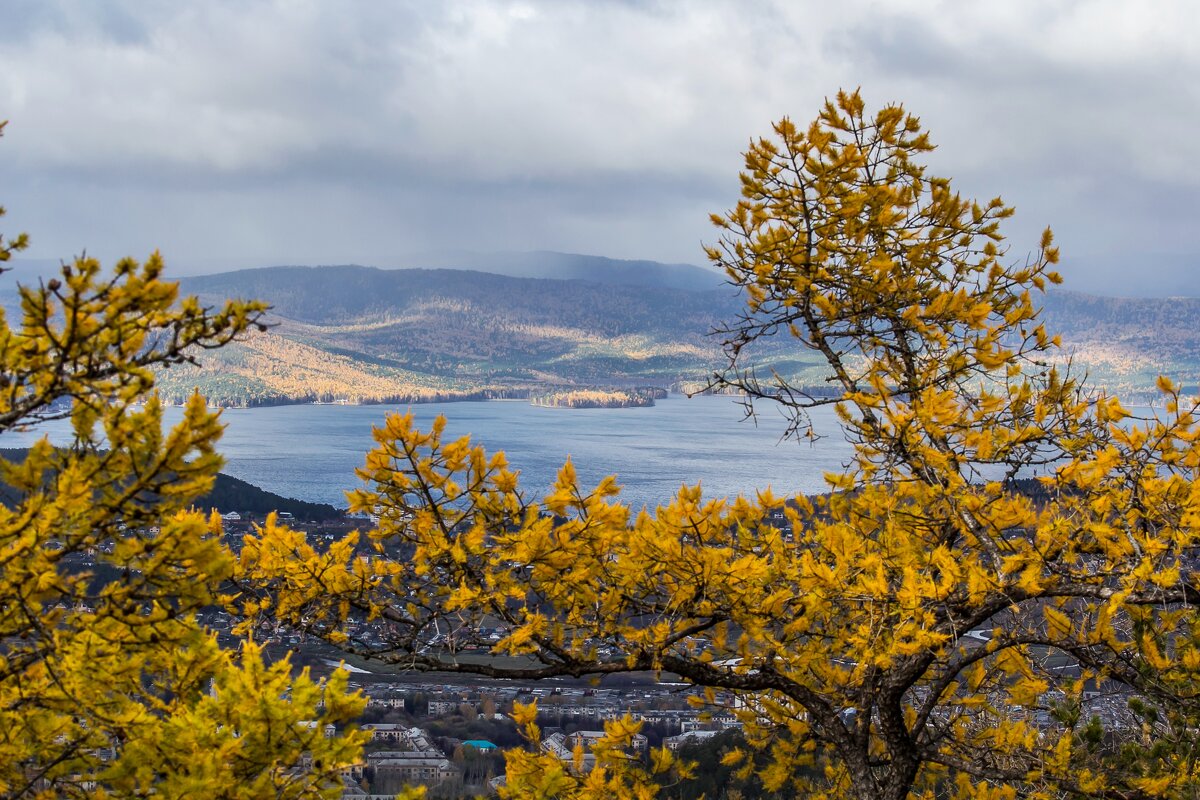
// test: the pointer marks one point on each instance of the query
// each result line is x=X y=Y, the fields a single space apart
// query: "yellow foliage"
x=912 y=629
x=109 y=687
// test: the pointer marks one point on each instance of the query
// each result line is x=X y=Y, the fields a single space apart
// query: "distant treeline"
x=244 y=400
x=566 y=397
x=599 y=397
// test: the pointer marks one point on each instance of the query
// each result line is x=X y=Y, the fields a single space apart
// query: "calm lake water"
x=310 y=452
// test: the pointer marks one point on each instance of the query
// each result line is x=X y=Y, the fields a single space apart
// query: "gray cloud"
x=234 y=134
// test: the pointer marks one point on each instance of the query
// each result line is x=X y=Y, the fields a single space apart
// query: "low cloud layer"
x=242 y=134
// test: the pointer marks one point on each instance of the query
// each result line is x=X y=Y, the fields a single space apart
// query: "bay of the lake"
x=310 y=452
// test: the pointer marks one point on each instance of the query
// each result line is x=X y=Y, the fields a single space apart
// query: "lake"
x=310 y=452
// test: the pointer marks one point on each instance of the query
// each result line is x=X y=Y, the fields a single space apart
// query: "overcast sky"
x=232 y=134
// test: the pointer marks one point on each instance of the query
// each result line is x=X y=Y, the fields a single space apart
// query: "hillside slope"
x=358 y=334
x=1126 y=343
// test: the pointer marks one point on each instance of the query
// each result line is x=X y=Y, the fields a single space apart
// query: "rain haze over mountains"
x=235 y=135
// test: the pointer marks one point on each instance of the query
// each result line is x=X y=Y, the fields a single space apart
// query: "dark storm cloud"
x=247 y=133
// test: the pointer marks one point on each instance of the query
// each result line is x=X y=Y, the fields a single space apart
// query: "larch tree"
x=994 y=599
x=109 y=686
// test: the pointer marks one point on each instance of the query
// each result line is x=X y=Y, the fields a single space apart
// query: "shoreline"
x=531 y=397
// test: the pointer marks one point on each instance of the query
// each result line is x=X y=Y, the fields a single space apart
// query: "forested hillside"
x=356 y=295
x=1126 y=343
x=359 y=334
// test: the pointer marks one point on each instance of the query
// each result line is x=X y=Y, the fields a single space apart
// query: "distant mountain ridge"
x=573 y=266
x=362 y=334
x=355 y=294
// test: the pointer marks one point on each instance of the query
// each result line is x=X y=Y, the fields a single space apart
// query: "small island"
x=598 y=398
